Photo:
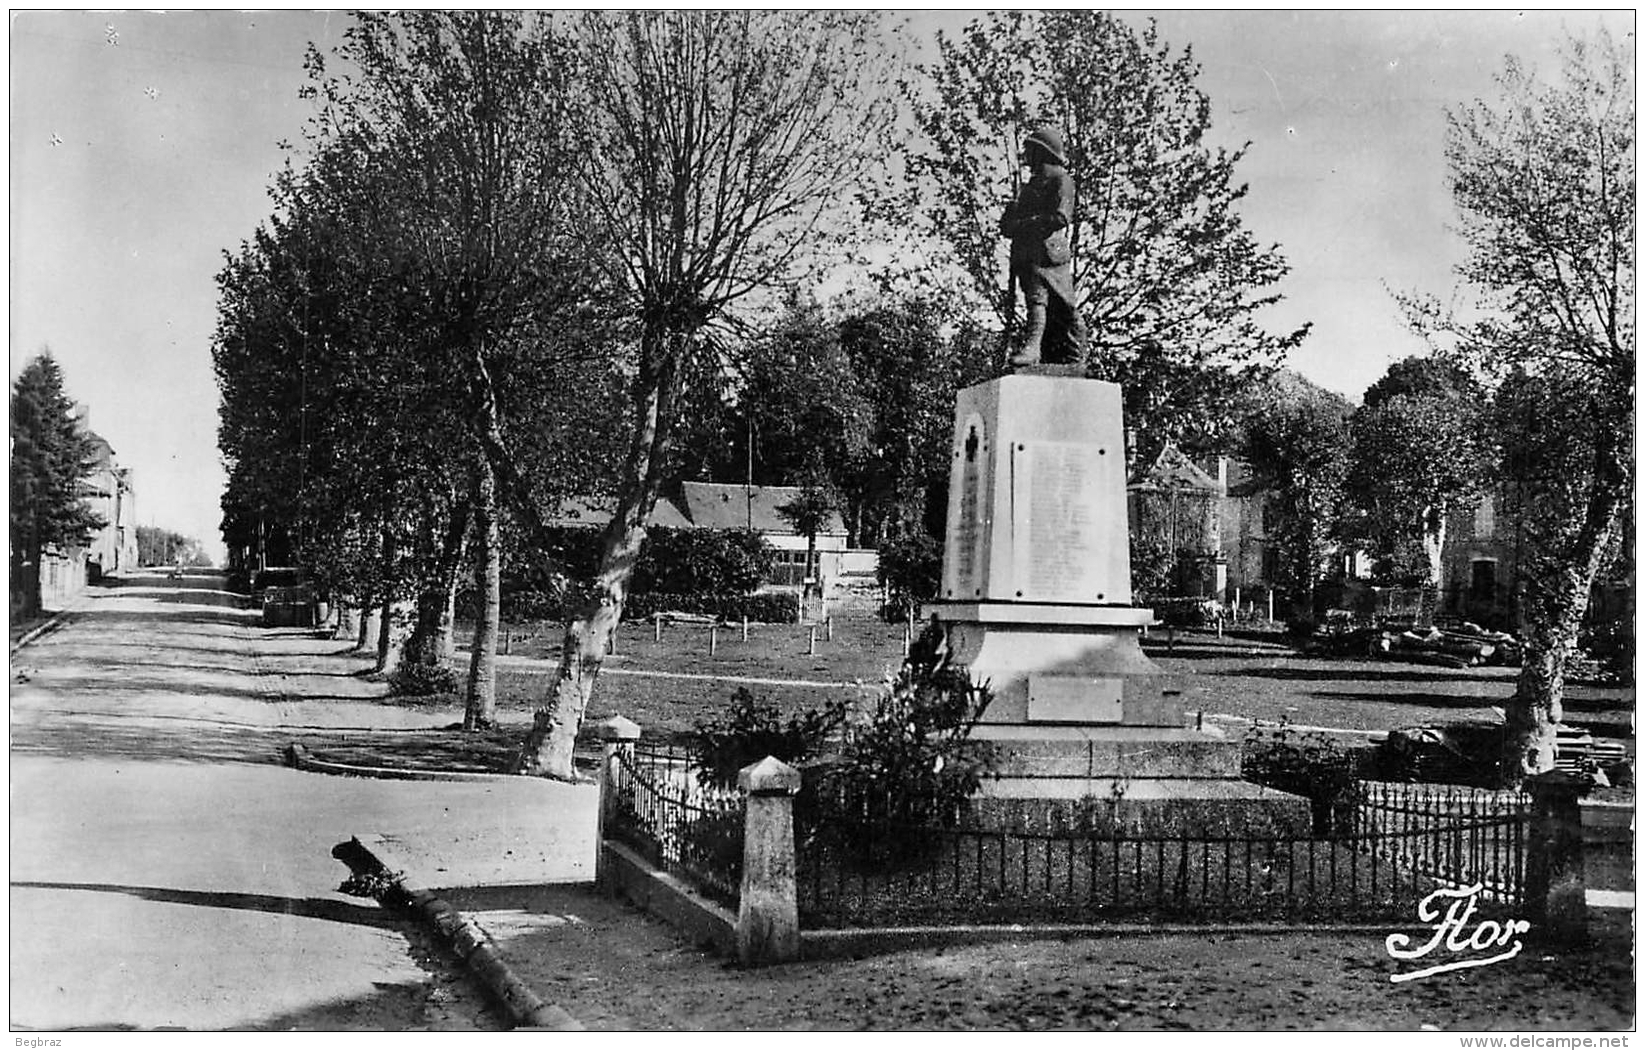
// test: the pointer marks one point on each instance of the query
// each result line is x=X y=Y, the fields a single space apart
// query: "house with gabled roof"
x=716 y=505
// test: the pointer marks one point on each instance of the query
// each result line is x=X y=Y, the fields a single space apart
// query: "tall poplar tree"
x=51 y=456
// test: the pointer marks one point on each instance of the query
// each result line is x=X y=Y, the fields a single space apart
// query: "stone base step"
x=1170 y=806
x=1112 y=752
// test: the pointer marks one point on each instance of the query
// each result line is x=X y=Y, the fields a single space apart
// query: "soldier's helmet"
x=1049 y=139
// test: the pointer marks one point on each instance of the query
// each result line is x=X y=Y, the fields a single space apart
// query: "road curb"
x=372 y=861
x=299 y=757
x=51 y=625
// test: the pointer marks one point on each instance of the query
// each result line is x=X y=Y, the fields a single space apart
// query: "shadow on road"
x=308 y=908
x=79 y=737
x=195 y=614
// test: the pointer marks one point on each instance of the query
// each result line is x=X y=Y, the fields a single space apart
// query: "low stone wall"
x=623 y=873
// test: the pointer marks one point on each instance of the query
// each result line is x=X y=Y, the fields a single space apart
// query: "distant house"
x=713 y=505
x=109 y=491
x=1481 y=573
x=1177 y=504
x=1248 y=524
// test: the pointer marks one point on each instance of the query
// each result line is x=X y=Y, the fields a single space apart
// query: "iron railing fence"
x=1451 y=833
x=682 y=826
x=861 y=865
x=1401 y=846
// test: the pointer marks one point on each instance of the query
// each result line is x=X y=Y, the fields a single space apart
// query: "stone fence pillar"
x=617 y=736
x=768 y=922
x=1555 y=884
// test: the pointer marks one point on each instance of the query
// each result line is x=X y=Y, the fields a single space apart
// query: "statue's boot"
x=1028 y=352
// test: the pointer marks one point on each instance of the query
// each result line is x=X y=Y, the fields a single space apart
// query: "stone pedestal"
x=1036 y=600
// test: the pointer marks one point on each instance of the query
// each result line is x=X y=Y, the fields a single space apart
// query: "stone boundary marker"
x=372 y=860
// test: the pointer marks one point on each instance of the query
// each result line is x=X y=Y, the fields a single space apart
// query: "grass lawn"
x=667 y=686
x=1252 y=678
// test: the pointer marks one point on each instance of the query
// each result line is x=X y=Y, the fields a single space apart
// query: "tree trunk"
x=26 y=577
x=812 y=570
x=431 y=637
x=1556 y=601
x=448 y=641
x=548 y=749
x=348 y=617
x=388 y=650
x=480 y=707
x=394 y=630
x=1433 y=546
x=371 y=626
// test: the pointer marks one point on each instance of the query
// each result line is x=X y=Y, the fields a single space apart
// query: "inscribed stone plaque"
x=1065 y=699
x=1057 y=521
x=968 y=529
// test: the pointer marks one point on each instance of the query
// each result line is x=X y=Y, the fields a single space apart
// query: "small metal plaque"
x=1068 y=699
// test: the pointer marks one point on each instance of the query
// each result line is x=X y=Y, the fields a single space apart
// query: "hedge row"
x=1186 y=612
x=782 y=607
x=777 y=607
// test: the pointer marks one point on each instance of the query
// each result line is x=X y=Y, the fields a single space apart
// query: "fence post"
x=713 y=639
x=745 y=627
x=768 y=919
x=1555 y=883
x=617 y=736
x=811 y=645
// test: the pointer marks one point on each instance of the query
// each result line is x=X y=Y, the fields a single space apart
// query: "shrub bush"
x=752 y=729
x=723 y=564
x=412 y=679
x=1611 y=646
x=909 y=762
x=1152 y=562
x=1306 y=763
x=776 y=607
x=910 y=570
x=1187 y=612
x=703 y=561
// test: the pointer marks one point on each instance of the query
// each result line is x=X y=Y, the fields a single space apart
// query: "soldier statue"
x=1037 y=223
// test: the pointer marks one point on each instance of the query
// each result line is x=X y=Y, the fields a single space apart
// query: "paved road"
x=166 y=871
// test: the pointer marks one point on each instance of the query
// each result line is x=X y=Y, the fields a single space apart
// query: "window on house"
x=1485 y=519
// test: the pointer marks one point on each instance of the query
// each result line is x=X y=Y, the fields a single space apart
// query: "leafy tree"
x=1296 y=442
x=1544 y=181
x=1170 y=281
x=911 y=355
x=1419 y=457
x=51 y=455
x=711 y=148
x=789 y=395
x=810 y=512
x=163 y=547
x=469 y=108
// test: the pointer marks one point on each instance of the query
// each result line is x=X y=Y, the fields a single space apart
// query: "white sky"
x=142 y=144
